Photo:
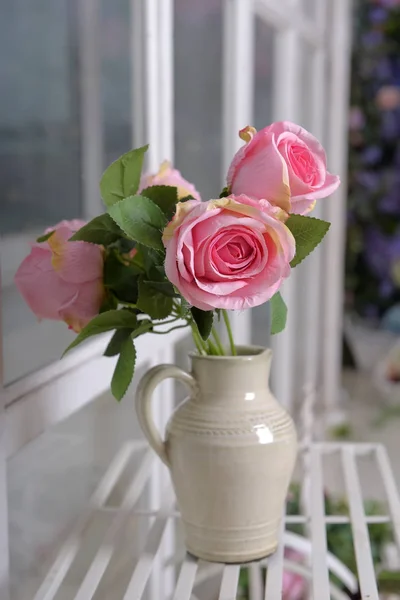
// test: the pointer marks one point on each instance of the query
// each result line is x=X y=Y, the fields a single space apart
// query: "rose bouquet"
x=161 y=256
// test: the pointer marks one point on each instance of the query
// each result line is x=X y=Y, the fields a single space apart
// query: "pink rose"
x=284 y=164
x=229 y=253
x=169 y=176
x=63 y=280
x=294 y=585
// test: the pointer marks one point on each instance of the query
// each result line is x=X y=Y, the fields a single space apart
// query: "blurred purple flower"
x=383 y=69
x=378 y=15
x=390 y=125
x=380 y=252
x=389 y=3
x=390 y=204
x=386 y=288
x=371 y=311
x=351 y=217
x=372 y=38
x=369 y=180
x=372 y=155
x=356 y=118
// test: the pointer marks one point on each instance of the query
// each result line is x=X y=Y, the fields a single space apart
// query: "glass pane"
x=39 y=130
x=263 y=115
x=40 y=179
x=198 y=93
x=40 y=146
x=306 y=83
x=309 y=7
x=263 y=74
x=116 y=78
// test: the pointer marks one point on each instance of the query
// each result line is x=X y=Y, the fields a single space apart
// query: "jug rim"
x=245 y=353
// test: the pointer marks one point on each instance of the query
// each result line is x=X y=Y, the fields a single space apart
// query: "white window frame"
x=29 y=406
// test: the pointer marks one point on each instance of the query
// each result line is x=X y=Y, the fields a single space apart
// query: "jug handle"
x=144 y=393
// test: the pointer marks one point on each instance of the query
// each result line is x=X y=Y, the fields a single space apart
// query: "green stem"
x=197 y=339
x=212 y=348
x=230 y=334
x=142 y=329
x=129 y=304
x=218 y=341
x=170 y=329
x=168 y=322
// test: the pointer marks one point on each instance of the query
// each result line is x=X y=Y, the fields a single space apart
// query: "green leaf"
x=164 y=287
x=278 y=313
x=186 y=198
x=119 y=337
x=225 y=192
x=141 y=220
x=122 y=177
x=308 y=232
x=153 y=302
x=184 y=307
x=124 y=369
x=148 y=259
x=124 y=245
x=113 y=319
x=100 y=230
x=45 y=237
x=120 y=278
x=165 y=196
x=109 y=302
x=204 y=321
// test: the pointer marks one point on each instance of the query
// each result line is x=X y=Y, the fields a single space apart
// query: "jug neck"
x=222 y=379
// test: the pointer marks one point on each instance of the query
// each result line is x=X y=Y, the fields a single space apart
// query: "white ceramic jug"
x=231 y=450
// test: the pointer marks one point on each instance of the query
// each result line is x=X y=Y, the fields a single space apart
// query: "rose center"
x=236 y=252
x=303 y=163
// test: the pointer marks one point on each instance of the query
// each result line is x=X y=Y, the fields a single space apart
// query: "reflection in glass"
x=309 y=7
x=40 y=179
x=39 y=128
x=40 y=144
x=198 y=93
x=116 y=78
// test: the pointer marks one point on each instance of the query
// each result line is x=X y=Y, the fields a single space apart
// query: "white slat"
x=155 y=536
x=102 y=559
x=148 y=563
x=91 y=122
x=4 y=537
x=320 y=584
x=162 y=578
x=362 y=546
x=186 y=578
x=392 y=493
x=335 y=209
x=286 y=107
x=152 y=82
x=166 y=78
x=68 y=551
x=229 y=583
x=256 y=584
x=137 y=73
x=274 y=576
